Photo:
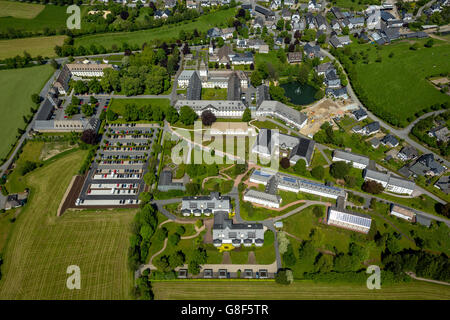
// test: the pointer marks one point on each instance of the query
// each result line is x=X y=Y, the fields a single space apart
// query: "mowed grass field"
x=299 y=290
x=43 y=46
x=16 y=88
x=164 y=33
x=42 y=246
x=19 y=10
x=50 y=16
x=398 y=85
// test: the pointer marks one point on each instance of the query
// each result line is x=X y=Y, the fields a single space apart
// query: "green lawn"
x=214 y=94
x=32 y=17
x=261 y=290
x=164 y=33
x=19 y=10
x=30 y=152
x=42 y=246
x=397 y=86
x=16 y=87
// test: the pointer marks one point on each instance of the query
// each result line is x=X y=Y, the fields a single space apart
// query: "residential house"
x=338 y=93
x=332 y=80
x=321 y=22
x=359 y=114
x=286 y=14
x=441 y=133
x=407 y=153
x=270 y=15
x=371 y=128
x=443 y=184
x=294 y=57
x=389 y=140
x=427 y=165
x=334 y=24
x=312 y=51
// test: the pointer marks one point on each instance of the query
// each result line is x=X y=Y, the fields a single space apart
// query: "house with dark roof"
x=427 y=165
x=407 y=153
x=321 y=22
x=359 y=114
x=338 y=93
x=337 y=12
x=266 y=12
x=443 y=184
x=389 y=182
x=389 y=140
x=16 y=200
x=332 y=80
x=371 y=128
x=165 y=182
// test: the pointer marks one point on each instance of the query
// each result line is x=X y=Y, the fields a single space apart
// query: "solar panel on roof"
x=210 y=205
x=288 y=179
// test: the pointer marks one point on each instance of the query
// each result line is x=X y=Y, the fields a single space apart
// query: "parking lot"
x=116 y=174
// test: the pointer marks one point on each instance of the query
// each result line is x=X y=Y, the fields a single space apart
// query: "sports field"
x=19 y=10
x=397 y=85
x=165 y=33
x=16 y=88
x=260 y=290
x=42 y=246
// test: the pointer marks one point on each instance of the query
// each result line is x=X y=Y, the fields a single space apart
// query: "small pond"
x=299 y=94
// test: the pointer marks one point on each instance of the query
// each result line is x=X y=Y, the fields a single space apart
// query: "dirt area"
x=226 y=258
x=52 y=149
x=321 y=112
x=442 y=80
x=208 y=235
x=251 y=257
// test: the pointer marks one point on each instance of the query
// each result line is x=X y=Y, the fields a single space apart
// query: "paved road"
x=401 y=133
x=425 y=6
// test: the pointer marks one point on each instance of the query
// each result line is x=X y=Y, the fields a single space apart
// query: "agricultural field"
x=16 y=88
x=164 y=33
x=397 y=86
x=19 y=10
x=260 y=290
x=35 y=46
x=42 y=246
x=31 y=17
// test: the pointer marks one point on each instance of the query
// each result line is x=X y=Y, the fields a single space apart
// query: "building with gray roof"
x=357 y=161
x=407 y=153
x=389 y=182
x=194 y=89
x=206 y=205
x=389 y=140
x=220 y=108
x=349 y=220
x=165 y=182
x=236 y=234
x=283 y=112
x=263 y=198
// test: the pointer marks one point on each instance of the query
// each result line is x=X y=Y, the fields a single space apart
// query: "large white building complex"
x=357 y=161
x=89 y=69
x=349 y=220
x=389 y=182
x=220 y=108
